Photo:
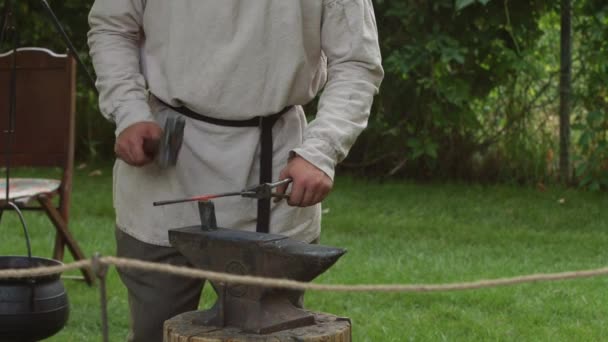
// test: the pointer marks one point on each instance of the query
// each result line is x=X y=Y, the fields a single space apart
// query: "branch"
x=398 y=167
x=491 y=140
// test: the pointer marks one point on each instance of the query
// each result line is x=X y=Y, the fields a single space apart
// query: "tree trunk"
x=565 y=90
x=328 y=328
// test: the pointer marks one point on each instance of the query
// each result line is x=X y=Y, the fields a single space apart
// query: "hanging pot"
x=32 y=308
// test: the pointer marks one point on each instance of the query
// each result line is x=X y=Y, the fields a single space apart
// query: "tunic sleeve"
x=114 y=41
x=354 y=68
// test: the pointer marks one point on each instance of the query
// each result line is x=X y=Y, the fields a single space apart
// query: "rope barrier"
x=297 y=285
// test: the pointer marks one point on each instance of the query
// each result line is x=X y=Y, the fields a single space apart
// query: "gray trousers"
x=155 y=297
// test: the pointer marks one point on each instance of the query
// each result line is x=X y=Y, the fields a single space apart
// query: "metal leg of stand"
x=66 y=40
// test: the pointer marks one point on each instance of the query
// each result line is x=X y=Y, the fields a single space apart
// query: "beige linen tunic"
x=232 y=59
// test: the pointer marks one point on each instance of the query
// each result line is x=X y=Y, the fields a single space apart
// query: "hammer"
x=166 y=150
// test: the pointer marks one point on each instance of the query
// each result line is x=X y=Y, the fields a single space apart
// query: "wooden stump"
x=329 y=328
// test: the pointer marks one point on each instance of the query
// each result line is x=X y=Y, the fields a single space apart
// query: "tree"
x=565 y=89
x=442 y=58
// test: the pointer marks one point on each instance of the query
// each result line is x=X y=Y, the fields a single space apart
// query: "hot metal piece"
x=252 y=308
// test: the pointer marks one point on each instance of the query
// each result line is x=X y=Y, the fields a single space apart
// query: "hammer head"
x=166 y=150
x=171 y=141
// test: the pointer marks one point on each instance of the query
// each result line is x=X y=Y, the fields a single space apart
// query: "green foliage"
x=518 y=118
x=592 y=170
x=471 y=90
x=461 y=4
x=591 y=125
x=444 y=60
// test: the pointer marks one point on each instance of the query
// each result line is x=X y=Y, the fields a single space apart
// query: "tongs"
x=260 y=191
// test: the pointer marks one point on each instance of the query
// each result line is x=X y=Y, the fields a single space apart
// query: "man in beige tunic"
x=229 y=60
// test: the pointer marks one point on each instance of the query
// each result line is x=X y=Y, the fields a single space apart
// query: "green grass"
x=398 y=232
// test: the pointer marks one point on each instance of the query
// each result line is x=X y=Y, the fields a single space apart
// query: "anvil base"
x=259 y=317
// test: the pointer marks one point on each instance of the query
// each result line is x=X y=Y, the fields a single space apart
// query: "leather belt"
x=265 y=123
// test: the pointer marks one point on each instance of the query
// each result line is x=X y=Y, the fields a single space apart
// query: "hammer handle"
x=151 y=147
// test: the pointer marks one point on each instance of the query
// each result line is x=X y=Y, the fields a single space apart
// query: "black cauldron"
x=31 y=309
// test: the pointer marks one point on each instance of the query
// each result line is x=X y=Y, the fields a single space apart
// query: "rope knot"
x=99 y=267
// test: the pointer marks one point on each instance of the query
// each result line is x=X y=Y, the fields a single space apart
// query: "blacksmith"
x=236 y=61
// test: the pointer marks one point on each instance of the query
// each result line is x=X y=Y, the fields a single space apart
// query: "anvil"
x=253 y=309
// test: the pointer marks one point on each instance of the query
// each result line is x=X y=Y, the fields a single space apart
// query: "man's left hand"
x=310 y=185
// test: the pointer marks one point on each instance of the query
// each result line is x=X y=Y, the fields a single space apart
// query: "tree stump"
x=329 y=328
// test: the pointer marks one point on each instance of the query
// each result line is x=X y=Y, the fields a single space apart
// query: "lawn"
x=400 y=232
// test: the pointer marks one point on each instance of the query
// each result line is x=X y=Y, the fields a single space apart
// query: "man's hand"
x=310 y=185
x=130 y=143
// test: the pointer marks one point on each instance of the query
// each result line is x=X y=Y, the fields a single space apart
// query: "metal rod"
x=10 y=23
x=5 y=206
x=25 y=230
x=68 y=42
x=4 y=22
x=281 y=182
x=197 y=198
x=12 y=114
x=247 y=192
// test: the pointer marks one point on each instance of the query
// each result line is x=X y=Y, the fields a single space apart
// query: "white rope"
x=297 y=285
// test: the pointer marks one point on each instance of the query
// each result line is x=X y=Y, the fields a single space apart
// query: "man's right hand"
x=130 y=143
